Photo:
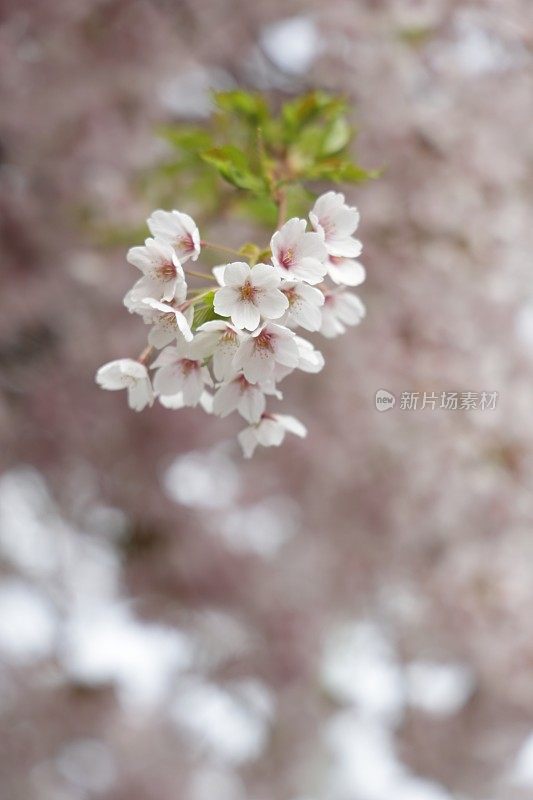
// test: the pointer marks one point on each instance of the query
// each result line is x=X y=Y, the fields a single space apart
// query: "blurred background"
x=347 y=617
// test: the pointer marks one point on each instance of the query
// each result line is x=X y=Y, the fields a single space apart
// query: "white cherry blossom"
x=258 y=354
x=304 y=305
x=250 y=293
x=176 y=372
x=163 y=276
x=345 y=271
x=309 y=360
x=341 y=308
x=176 y=401
x=125 y=373
x=240 y=395
x=270 y=432
x=169 y=323
x=178 y=230
x=136 y=305
x=298 y=254
x=336 y=222
x=220 y=340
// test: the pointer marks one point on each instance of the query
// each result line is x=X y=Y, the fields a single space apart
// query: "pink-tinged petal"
x=252 y=404
x=223 y=359
x=311 y=245
x=248 y=441
x=292 y=424
x=310 y=294
x=345 y=222
x=286 y=351
x=184 y=326
x=236 y=274
x=170 y=355
x=272 y=303
x=308 y=316
x=226 y=399
x=350 y=309
x=218 y=273
x=264 y=276
x=310 y=270
x=245 y=315
x=140 y=395
x=110 y=376
x=259 y=366
x=159 y=336
x=193 y=386
x=225 y=300
x=270 y=433
x=243 y=354
x=344 y=248
x=169 y=380
x=347 y=272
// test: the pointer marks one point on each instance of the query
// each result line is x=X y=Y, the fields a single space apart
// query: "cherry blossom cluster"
x=236 y=360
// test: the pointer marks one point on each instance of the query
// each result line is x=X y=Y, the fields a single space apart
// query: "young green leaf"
x=234 y=167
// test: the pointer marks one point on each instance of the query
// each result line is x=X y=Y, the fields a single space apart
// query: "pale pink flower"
x=177 y=372
x=176 y=401
x=240 y=395
x=258 y=355
x=168 y=323
x=309 y=360
x=163 y=275
x=220 y=340
x=125 y=373
x=178 y=230
x=249 y=294
x=298 y=254
x=346 y=271
x=269 y=432
x=336 y=222
x=341 y=308
x=304 y=305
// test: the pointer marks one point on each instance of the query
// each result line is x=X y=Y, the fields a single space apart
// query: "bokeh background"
x=348 y=617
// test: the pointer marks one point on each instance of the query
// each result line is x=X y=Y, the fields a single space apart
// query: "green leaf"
x=303 y=110
x=247 y=105
x=336 y=136
x=340 y=171
x=234 y=167
x=186 y=138
x=204 y=311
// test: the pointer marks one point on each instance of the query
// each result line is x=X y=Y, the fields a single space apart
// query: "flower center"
x=264 y=341
x=328 y=226
x=188 y=365
x=166 y=271
x=243 y=383
x=186 y=243
x=168 y=320
x=286 y=258
x=228 y=337
x=248 y=292
x=291 y=295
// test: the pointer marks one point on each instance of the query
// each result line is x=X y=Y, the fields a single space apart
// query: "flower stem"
x=146 y=355
x=221 y=247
